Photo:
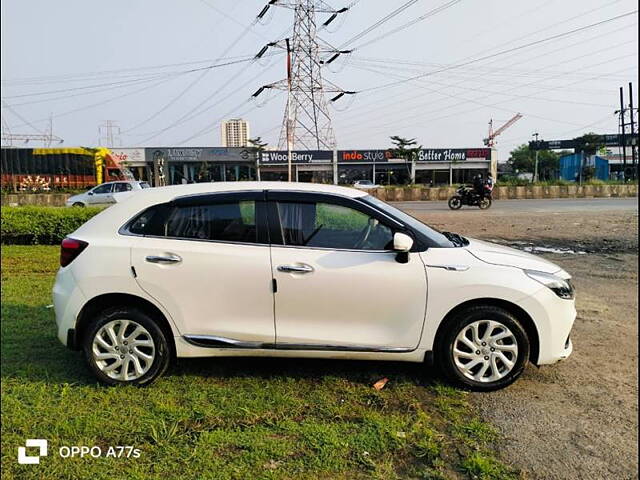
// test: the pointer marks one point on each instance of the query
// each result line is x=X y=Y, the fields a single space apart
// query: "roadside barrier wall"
x=404 y=194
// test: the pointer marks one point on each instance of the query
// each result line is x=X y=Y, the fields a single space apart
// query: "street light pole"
x=535 y=169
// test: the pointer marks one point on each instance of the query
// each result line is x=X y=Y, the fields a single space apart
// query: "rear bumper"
x=68 y=301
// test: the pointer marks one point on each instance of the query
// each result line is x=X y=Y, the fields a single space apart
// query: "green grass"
x=224 y=418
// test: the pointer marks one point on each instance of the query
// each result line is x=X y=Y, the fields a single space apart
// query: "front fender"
x=471 y=280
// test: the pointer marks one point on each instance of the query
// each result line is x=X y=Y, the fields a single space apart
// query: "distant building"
x=235 y=133
x=570 y=166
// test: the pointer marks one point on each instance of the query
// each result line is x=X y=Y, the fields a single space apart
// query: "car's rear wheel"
x=125 y=346
x=78 y=204
x=482 y=348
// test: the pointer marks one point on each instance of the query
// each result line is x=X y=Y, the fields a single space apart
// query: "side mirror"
x=89 y=193
x=402 y=244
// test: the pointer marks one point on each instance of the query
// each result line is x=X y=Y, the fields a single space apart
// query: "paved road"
x=558 y=205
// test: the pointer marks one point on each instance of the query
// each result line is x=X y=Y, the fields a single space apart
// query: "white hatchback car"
x=106 y=193
x=301 y=270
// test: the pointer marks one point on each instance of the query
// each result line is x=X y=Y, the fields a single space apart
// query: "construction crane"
x=490 y=141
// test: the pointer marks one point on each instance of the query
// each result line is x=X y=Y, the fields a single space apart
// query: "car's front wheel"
x=125 y=346
x=455 y=202
x=482 y=348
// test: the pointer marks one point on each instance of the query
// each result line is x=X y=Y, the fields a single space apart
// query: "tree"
x=589 y=143
x=203 y=172
x=256 y=146
x=522 y=160
x=406 y=148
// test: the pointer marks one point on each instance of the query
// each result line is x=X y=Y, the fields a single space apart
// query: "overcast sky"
x=84 y=62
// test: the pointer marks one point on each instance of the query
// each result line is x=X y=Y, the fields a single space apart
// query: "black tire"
x=444 y=348
x=162 y=352
x=455 y=202
x=484 y=203
x=79 y=204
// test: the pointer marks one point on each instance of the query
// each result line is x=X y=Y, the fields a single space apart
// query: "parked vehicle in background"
x=467 y=195
x=365 y=184
x=106 y=193
x=301 y=270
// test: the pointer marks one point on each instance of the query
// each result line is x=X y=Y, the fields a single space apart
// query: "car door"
x=339 y=285
x=206 y=260
x=121 y=191
x=100 y=195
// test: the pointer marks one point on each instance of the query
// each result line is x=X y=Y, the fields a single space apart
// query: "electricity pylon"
x=307 y=121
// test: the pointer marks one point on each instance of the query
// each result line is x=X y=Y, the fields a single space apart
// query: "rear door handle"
x=295 y=268
x=164 y=259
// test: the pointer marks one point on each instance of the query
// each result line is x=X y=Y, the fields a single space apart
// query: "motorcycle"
x=466 y=195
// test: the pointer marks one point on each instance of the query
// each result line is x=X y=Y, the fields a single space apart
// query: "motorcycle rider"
x=478 y=185
x=489 y=184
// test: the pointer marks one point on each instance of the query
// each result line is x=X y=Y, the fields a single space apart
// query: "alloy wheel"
x=123 y=350
x=485 y=351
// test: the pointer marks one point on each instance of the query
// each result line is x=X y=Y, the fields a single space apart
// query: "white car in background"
x=365 y=184
x=106 y=193
x=301 y=270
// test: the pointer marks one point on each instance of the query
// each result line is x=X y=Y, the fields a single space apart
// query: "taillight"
x=70 y=249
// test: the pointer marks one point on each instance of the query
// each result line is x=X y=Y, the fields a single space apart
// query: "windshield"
x=144 y=185
x=439 y=239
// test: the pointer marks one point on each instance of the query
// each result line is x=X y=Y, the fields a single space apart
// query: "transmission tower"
x=307 y=121
x=109 y=134
x=46 y=138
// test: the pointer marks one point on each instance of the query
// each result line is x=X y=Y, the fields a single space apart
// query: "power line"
x=427 y=15
x=528 y=59
x=508 y=50
x=560 y=22
x=191 y=85
x=108 y=100
x=193 y=112
x=490 y=92
x=126 y=82
x=218 y=120
x=379 y=23
x=493 y=105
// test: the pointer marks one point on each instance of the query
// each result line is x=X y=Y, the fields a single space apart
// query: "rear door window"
x=230 y=222
x=226 y=222
x=122 y=187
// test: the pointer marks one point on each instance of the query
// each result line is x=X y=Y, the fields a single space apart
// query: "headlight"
x=561 y=287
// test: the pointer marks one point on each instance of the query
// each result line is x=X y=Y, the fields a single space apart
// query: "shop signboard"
x=608 y=140
x=365 y=156
x=198 y=155
x=453 y=154
x=128 y=156
x=297 y=156
x=424 y=155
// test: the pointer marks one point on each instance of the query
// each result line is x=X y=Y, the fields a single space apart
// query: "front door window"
x=325 y=225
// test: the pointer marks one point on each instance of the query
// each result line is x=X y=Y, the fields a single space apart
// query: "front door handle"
x=295 y=268
x=164 y=259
